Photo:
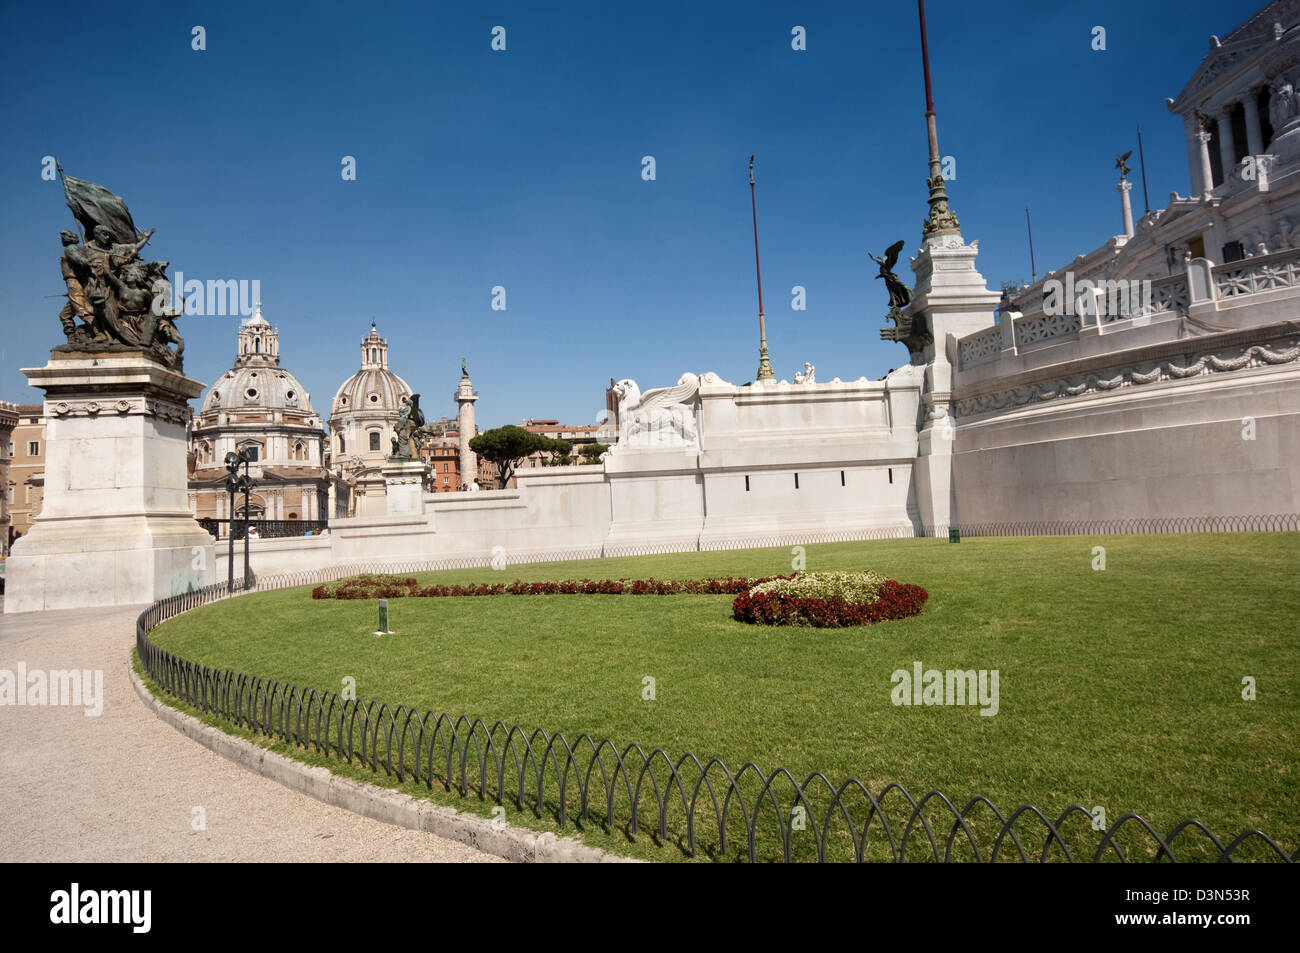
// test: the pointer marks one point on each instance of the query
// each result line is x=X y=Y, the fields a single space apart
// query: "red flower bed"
x=897 y=601
x=390 y=587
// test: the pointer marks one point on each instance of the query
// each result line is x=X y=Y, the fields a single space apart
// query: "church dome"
x=257 y=381
x=256 y=388
x=374 y=389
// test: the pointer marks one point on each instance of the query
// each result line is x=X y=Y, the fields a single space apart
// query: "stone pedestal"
x=952 y=300
x=115 y=527
x=404 y=487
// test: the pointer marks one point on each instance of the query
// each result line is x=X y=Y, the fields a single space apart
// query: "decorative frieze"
x=1136 y=374
x=168 y=411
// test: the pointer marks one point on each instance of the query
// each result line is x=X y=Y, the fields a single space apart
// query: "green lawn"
x=1119 y=688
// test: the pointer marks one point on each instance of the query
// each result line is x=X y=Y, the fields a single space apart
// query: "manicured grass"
x=1119 y=688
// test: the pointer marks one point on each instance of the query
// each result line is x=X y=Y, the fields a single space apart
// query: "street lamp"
x=237 y=482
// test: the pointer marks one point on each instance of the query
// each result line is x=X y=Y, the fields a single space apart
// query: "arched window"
x=374 y=440
x=257 y=345
x=374 y=355
x=343 y=444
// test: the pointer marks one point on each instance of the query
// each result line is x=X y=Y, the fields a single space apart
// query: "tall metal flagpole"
x=1143 y=160
x=764 y=363
x=942 y=221
x=1033 y=269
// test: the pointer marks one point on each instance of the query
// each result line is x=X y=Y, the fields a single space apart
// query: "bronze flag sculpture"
x=123 y=303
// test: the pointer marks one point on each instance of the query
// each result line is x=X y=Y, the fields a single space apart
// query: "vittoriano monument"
x=121 y=302
x=115 y=526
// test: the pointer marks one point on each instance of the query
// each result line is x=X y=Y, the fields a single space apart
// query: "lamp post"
x=237 y=482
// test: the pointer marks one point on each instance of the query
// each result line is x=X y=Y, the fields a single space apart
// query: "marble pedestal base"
x=403 y=487
x=115 y=527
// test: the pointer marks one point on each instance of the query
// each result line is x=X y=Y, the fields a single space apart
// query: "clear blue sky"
x=523 y=169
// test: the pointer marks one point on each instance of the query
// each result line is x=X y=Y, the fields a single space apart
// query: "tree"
x=507 y=447
x=592 y=451
x=559 y=451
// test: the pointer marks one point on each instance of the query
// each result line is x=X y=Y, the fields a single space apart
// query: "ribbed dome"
x=253 y=388
x=374 y=388
x=371 y=389
x=257 y=381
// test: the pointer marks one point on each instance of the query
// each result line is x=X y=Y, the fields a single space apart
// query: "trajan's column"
x=465 y=398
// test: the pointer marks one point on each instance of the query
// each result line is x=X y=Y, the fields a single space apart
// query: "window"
x=446 y=467
x=1233 y=251
x=374 y=440
x=343 y=444
x=251 y=451
x=34 y=448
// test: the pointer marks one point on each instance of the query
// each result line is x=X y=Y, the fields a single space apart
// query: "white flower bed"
x=854 y=587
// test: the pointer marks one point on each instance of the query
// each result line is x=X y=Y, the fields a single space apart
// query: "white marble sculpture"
x=807 y=376
x=662 y=417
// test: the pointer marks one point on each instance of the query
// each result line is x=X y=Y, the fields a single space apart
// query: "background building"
x=8 y=420
x=26 y=470
x=579 y=435
x=442 y=454
x=259 y=406
x=362 y=418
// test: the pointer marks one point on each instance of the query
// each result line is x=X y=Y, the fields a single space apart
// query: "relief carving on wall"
x=1178 y=368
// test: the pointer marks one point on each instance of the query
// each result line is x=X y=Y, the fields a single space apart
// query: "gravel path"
x=123 y=786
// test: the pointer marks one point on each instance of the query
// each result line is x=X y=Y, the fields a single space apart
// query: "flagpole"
x=66 y=197
x=1032 y=267
x=765 y=372
x=1146 y=201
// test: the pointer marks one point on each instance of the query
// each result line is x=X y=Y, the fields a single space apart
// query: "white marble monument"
x=115 y=528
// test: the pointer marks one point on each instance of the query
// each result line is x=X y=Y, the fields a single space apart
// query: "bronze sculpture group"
x=122 y=302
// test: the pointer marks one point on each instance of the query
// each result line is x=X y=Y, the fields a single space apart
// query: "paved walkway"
x=123 y=786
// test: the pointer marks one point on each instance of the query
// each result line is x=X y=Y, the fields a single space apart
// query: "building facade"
x=26 y=470
x=259 y=407
x=1158 y=376
x=8 y=420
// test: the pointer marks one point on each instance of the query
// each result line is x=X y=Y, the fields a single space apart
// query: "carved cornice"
x=169 y=411
x=1227 y=356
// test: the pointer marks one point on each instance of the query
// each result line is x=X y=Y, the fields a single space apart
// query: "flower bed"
x=392 y=587
x=828 y=600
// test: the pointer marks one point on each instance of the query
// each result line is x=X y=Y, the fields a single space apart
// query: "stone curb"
x=391 y=807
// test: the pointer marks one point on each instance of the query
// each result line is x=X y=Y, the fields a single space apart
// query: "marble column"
x=1227 y=142
x=465 y=398
x=1207 y=170
x=1254 y=132
x=1124 y=188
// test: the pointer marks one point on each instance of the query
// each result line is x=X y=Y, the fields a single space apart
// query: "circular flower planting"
x=829 y=600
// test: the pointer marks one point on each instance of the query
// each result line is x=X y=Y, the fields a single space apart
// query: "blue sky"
x=522 y=169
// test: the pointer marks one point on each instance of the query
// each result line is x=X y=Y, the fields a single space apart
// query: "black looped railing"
x=594 y=782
